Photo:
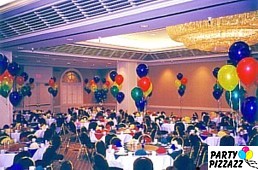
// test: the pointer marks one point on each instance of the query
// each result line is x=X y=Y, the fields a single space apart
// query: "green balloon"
x=217 y=87
x=237 y=96
x=182 y=87
x=5 y=90
x=137 y=94
x=114 y=90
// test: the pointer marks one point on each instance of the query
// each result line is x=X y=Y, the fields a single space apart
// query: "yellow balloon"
x=146 y=94
x=227 y=77
x=249 y=155
x=177 y=83
x=118 y=86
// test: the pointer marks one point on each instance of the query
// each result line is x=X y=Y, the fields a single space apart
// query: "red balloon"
x=144 y=83
x=119 y=79
x=20 y=80
x=51 y=82
x=184 y=81
x=107 y=83
x=247 y=70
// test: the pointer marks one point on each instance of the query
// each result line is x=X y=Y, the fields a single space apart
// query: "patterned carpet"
x=79 y=164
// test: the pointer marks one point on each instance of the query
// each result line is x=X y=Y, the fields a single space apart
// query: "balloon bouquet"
x=181 y=85
x=244 y=69
x=53 y=89
x=141 y=93
x=117 y=86
x=217 y=89
x=12 y=78
x=100 y=94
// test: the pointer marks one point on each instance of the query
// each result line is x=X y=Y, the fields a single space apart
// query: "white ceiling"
x=149 y=41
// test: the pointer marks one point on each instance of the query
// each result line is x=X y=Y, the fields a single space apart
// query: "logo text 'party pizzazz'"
x=225 y=159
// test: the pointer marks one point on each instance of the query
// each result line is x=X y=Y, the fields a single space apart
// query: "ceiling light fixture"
x=69 y=39
x=217 y=34
x=144 y=26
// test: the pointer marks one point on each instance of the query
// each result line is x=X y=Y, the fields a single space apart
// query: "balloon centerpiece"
x=143 y=91
x=100 y=94
x=244 y=69
x=12 y=79
x=117 y=79
x=180 y=83
x=217 y=89
x=53 y=89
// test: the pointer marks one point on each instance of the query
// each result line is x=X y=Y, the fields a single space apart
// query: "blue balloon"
x=25 y=76
x=3 y=63
x=15 y=98
x=113 y=75
x=249 y=109
x=217 y=94
x=181 y=92
x=140 y=105
x=238 y=51
x=120 y=97
x=142 y=70
x=96 y=79
x=242 y=154
x=14 y=68
x=179 y=76
x=215 y=72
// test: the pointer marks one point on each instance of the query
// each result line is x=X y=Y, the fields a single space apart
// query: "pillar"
x=128 y=71
x=5 y=105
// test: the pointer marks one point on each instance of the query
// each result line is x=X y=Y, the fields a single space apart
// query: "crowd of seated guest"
x=187 y=132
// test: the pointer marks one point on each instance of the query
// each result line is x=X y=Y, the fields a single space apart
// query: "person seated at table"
x=177 y=147
x=183 y=162
x=195 y=117
x=227 y=140
x=50 y=156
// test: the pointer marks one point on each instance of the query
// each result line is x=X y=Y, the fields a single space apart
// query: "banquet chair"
x=72 y=134
x=143 y=163
x=179 y=128
x=183 y=162
x=203 y=156
x=50 y=156
x=85 y=146
x=253 y=141
x=195 y=143
x=227 y=140
x=20 y=155
x=108 y=138
x=153 y=134
x=100 y=162
x=116 y=141
x=93 y=125
x=26 y=162
x=66 y=165
x=100 y=148
x=190 y=128
x=48 y=134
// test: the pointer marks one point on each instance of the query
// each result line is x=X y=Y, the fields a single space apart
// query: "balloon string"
x=180 y=105
x=231 y=103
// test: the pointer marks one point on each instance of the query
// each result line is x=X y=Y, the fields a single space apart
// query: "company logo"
x=233 y=157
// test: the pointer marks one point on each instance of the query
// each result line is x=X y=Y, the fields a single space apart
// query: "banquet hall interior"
x=126 y=84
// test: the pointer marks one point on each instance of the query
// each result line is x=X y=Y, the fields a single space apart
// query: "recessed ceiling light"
x=68 y=63
x=38 y=61
x=108 y=63
x=144 y=26
x=20 y=48
x=69 y=39
x=93 y=64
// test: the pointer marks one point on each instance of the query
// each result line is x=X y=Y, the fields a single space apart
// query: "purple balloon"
x=96 y=79
x=15 y=98
x=113 y=75
x=217 y=94
x=181 y=92
x=215 y=72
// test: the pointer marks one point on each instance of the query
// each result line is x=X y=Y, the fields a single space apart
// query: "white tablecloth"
x=160 y=162
x=215 y=141
x=6 y=160
x=169 y=127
